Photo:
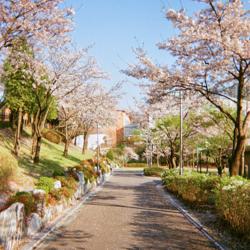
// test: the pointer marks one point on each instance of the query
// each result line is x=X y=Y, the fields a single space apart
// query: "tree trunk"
x=38 y=149
x=237 y=155
x=34 y=142
x=85 y=142
x=158 y=159
x=240 y=130
x=17 y=132
x=39 y=123
x=66 y=148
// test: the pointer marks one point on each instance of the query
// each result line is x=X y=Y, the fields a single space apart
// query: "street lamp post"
x=98 y=153
x=181 y=139
x=197 y=159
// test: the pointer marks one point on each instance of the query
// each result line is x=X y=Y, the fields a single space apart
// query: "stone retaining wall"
x=13 y=226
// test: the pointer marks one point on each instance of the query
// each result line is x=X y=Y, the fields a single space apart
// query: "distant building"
x=113 y=135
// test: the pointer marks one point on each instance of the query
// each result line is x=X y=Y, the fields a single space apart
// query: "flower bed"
x=40 y=206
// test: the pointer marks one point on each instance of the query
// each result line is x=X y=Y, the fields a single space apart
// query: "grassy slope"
x=51 y=159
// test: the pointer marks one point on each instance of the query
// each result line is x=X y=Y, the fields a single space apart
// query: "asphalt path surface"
x=129 y=212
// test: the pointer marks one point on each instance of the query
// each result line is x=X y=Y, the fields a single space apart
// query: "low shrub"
x=233 y=204
x=230 y=196
x=52 y=136
x=89 y=174
x=68 y=182
x=67 y=192
x=56 y=194
x=153 y=171
x=110 y=155
x=58 y=172
x=194 y=188
x=27 y=199
x=8 y=165
x=136 y=165
x=104 y=167
x=46 y=184
x=87 y=167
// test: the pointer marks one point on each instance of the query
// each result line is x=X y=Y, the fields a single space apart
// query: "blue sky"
x=115 y=27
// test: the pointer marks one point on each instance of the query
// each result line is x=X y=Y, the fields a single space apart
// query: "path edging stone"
x=37 y=238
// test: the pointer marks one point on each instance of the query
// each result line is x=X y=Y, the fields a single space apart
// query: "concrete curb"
x=38 y=238
x=190 y=218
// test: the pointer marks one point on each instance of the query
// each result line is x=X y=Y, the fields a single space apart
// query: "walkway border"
x=190 y=218
x=38 y=238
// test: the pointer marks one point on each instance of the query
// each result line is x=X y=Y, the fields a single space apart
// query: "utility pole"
x=181 y=139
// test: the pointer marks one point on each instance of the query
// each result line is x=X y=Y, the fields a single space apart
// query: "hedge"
x=153 y=171
x=229 y=196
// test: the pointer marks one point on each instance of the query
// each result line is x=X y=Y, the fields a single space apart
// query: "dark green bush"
x=153 y=171
x=58 y=172
x=46 y=184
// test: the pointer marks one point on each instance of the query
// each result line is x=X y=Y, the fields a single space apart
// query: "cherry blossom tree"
x=59 y=75
x=38 y=21
x=99 y=110
x=212 y=51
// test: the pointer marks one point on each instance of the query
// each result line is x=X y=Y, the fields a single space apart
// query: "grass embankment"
x=52 y=159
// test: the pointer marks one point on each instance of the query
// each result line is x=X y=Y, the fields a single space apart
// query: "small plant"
x=27 y=199
x=104 y=167
x=68 y=182
x=110 y=155
x=55 y=193
x=46 y=184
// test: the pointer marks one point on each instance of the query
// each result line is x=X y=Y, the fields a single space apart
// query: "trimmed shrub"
x=27 y=199
x=153 y=171
x=46 y=184
x=230 y=196
x=87 y=167
x=52 y=136
x=68 y=182
x=136 y=165
x=110 y=155
x=104 y=167
x=233 y=204
x=194 y=188
x=58 y=172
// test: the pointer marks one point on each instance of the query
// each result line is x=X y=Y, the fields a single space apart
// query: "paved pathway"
x=128 y=213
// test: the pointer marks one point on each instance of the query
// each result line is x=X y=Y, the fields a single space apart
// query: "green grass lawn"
x=51 y=158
